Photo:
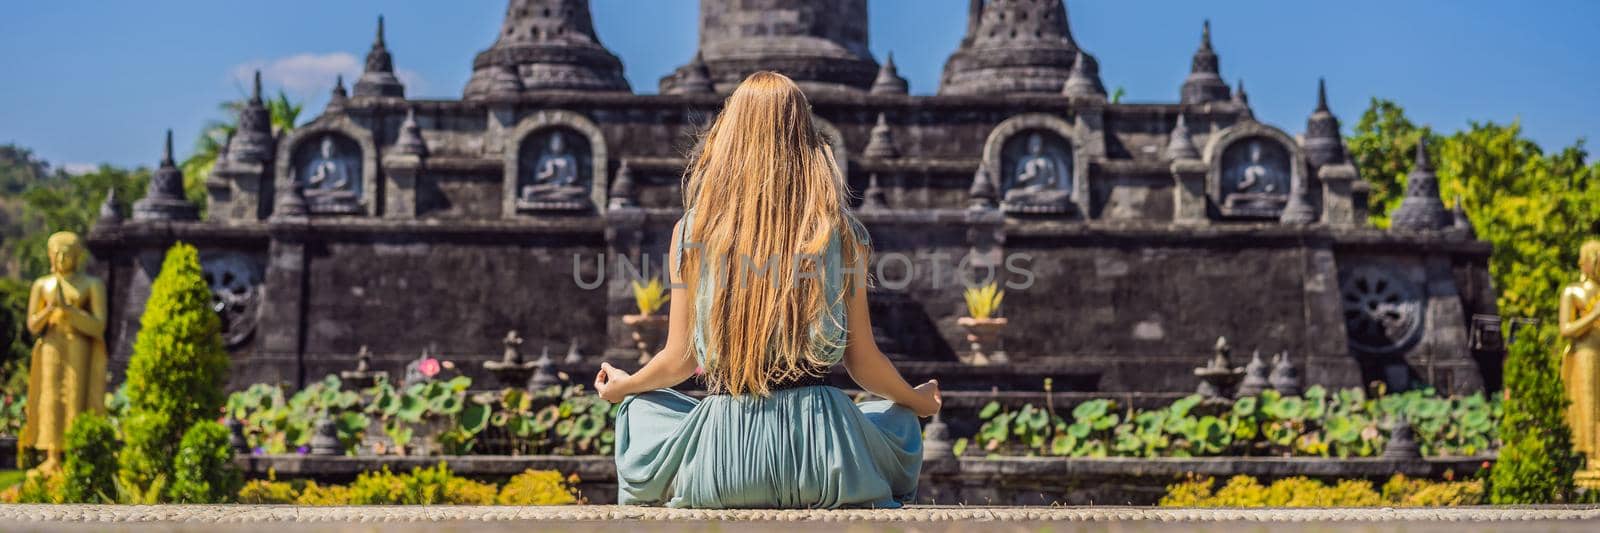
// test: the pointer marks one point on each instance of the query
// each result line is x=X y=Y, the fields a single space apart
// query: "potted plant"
x=648 y=328
x=983 y=328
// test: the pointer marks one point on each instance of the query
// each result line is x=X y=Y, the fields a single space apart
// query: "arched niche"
x=1252 y=168
x=1037 y=167
x=336 y=162
x=556 y=162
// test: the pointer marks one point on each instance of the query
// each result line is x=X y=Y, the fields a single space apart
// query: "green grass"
x=11 y=477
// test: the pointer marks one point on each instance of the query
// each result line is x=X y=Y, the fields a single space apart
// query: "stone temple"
x=1149 y=229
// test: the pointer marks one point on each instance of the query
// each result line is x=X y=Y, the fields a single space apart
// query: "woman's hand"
x=609 y=383
x=930 y=399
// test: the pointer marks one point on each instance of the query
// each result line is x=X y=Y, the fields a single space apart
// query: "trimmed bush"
x=1405 y=492
x=90 y=463
x=176 y=373
x=315 y=494
x=204 y=471
x=1536 y=459
x=422 y=486
x=537 y=487
x=268 y=492
x=41 y=487
x=1245 y=491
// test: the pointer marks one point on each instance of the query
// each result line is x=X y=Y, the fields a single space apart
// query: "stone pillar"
x=625 y=242
x=1189 y=190
x=1444 y=358
x=281 y=329
x=502 y=119
x=1338 y=195
x=402 y=170
x=1326 y=351
x=238 y=191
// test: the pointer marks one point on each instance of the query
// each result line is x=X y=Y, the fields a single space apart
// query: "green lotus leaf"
x=1245 y=406
x=474 y=416
x=989 y=411
x=1091 y=409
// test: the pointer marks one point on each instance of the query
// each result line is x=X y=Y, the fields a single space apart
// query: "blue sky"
x=93 y=81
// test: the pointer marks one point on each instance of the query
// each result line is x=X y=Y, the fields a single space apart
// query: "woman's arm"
x=1573 y=326
x=872 y=370
x=670 y=366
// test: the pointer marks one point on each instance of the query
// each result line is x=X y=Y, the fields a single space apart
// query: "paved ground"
x=290 y=519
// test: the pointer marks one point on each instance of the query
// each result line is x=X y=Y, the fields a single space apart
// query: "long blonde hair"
x=764 y=186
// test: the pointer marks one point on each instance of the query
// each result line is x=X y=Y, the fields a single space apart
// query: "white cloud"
x=309 y=74
x=79 y=168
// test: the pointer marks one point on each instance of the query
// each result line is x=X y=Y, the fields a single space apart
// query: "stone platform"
x=627 y=518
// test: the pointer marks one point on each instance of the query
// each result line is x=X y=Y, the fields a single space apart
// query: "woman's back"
x=768 y=294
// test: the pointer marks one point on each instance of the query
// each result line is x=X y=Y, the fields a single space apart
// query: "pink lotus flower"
x=429 y=367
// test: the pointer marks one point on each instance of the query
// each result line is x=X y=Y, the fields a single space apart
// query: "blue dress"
x=807 y=447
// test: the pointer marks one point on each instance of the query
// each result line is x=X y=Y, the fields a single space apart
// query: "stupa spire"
x=1085 y=79
x=889 y=80
x=881 y=142
x=164 y=198
x=377 y=78
x=1012 y=46
x=693 y=78
x=338 y=97
x=252 y=139
x=1179 y=145
x=552 y=46
x=1422 y=209
x=1323 y=144
x=1204 y=83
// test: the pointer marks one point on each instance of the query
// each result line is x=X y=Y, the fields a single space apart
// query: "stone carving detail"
x=1037 y=173
x=235 y=281
x=1382 y=310
x=1255 y=178
x=327 y=168
x=554 y=173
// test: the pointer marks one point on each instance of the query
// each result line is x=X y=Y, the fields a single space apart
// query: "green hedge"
x=90 y=465
x=1536 y=461
x=204 y=471
x=176 y=373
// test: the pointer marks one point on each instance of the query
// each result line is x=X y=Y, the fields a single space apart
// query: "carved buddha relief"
x=1037 y=172
x=1255 y=178
x=554 y=171
x=328 y=169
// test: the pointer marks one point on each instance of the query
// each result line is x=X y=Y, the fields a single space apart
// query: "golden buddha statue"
x=1580 y=365
x=67 y=376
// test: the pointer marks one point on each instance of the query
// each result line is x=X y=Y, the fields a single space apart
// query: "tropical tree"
x=68 y=203
x=1534 y=207
x=284 y=113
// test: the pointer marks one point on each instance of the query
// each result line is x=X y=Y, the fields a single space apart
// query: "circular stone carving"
x=235 y=292
x=1382 y=311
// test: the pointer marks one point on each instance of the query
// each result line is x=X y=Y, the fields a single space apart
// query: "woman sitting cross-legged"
x=768 y=294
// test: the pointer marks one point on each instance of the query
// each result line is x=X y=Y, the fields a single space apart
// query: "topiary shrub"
x=268 y=492
x=315 y=494
x=41 y=487
x=1245 y=491
x=89 y=467
x=541 y=487
x=203 y=471
x=175 y=376
x=1536 y=459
